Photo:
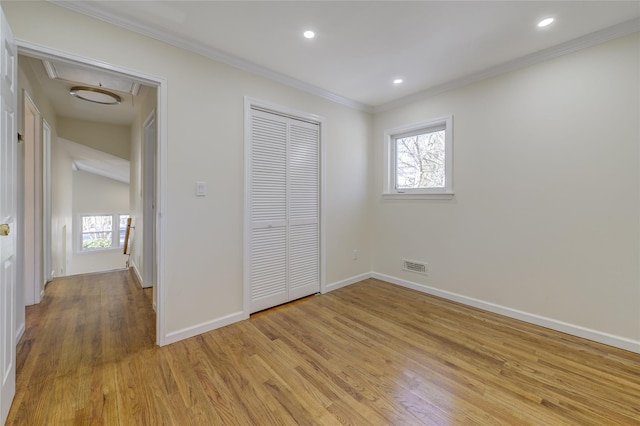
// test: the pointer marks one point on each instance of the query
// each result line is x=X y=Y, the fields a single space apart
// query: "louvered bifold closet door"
x=284 y=189
x=268 y=186
x=304 y=174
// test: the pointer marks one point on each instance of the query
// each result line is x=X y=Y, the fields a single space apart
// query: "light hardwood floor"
x=368 y=354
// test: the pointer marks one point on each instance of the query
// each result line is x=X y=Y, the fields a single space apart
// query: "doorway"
x=158 y=196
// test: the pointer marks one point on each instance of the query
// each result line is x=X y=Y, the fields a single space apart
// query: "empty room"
x=329 y=212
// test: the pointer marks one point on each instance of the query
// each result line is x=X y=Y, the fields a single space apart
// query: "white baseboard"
x=138 y=278
x=346 y=282
x=575 y=330
x=20 y=332
x=137 y=273
x=204 y=327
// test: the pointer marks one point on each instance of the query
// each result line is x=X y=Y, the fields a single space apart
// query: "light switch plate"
x=201 y=189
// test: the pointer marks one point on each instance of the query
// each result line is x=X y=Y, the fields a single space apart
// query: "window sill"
x=99 y=250
x=418 y=196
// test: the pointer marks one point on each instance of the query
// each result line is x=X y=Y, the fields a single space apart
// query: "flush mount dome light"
x=95 y=95
x=309 y=34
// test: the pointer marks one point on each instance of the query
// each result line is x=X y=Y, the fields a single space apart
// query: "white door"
x=46 y=204
x=268 y=205
x=8 y=208
x=284 y=190
x=304 y=209
x=32 y=219
x=149 y=207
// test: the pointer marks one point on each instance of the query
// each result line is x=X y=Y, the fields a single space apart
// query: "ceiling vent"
x=414 y=266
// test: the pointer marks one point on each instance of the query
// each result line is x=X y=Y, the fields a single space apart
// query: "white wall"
x=545 y=218
x=203 y=269
x=93 y=194
x=61 y=208
x=110 y=138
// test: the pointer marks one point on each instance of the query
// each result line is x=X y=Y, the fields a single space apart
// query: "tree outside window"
x=420 y=161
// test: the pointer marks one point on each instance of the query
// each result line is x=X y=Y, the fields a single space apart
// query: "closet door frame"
x=253 y=103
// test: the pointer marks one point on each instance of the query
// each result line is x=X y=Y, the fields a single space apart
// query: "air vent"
x=414 y=266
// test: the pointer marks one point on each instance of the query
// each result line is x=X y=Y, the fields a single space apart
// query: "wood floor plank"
x=368 y=354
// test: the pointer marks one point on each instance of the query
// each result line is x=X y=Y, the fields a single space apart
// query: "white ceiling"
x=361 y=46
x=97 y=162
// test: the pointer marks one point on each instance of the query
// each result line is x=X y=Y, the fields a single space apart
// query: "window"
x=102 y=231
x=419 y=160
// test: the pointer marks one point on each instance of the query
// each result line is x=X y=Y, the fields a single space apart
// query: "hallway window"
x=102 y=231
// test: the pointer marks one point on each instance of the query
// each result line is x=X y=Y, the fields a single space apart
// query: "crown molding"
x=592 y=39
x=50 y=69
x=88 y=9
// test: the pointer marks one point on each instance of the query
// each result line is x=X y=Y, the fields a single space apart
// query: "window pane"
x=96 y=223
x=96 y=240
x=96 y=232
x=420 y=161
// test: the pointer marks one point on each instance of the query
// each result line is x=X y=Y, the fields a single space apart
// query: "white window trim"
x=389 y=190
x=115 y=234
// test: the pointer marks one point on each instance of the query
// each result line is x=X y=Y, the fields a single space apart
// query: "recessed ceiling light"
x=309 y=34
x=545 y=22
x=397 y=81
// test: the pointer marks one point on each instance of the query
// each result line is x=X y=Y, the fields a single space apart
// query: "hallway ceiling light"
x=95 y=95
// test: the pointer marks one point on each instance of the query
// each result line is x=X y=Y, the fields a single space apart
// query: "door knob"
x=4 y=229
